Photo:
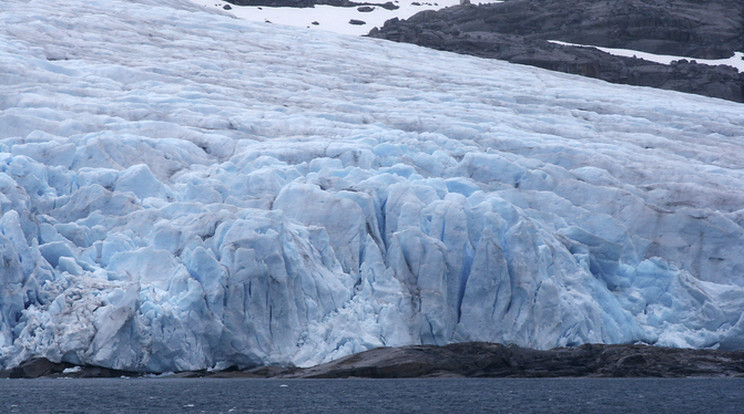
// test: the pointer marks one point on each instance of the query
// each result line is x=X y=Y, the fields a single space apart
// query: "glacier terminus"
x=182 y=190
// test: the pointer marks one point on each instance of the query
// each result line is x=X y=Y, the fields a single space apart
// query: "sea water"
x=578 y=395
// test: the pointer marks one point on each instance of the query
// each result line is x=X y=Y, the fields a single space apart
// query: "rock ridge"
x=519 y=31
x=468 y=359
x=481 y=359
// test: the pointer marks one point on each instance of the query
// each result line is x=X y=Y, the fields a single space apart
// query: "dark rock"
x=476 y=359
x=357 y=22
x=518 y=31
x=470 y=359
x=88 y=371
x=227 y=7
x=257 y=372
x=365 y=9
x=315 y=23
x=389 y=6
x=711 y=29
x=38 y=367
x=42 y=367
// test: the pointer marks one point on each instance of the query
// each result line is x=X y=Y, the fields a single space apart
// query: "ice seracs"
x=184 y=190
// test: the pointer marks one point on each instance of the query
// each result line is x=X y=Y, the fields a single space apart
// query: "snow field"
x=329 y=18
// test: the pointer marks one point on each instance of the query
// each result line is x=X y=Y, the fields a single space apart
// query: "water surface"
x=569 y=395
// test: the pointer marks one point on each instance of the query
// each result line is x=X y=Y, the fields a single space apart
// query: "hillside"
x=521 y=31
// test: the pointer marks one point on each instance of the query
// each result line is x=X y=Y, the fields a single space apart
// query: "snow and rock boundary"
x=520 y=31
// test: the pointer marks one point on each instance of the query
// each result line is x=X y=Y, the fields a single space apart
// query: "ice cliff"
x=182 y=190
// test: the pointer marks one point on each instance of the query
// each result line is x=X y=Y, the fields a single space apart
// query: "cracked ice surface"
x=181 y=190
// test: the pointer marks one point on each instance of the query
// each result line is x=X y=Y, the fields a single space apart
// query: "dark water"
x=452 y=396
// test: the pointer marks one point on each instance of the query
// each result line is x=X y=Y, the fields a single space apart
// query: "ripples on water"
x=454 y=396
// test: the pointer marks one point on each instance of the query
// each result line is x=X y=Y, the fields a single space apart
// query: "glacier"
x=181 y=190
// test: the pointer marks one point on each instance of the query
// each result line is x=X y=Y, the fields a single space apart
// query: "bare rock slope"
x=518 y=31
x=468 y=359
x=480 y=359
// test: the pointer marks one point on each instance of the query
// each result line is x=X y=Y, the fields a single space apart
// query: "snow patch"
x=736 y=61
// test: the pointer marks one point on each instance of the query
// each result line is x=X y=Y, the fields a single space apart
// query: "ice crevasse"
x=183 y=190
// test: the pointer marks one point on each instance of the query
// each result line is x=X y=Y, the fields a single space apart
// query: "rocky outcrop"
x=519 y=30
x=477 y=359
x=42 y=367
x=468 y=359
x=710 y=29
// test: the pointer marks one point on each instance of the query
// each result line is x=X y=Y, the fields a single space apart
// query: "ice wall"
x=183 y=190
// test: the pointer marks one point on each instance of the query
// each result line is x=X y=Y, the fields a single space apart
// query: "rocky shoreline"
x=44 y=368
x=519 y=31
x=470 y=359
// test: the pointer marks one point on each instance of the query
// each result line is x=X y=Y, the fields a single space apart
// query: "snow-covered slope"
x=344 y=20
x=180 y=189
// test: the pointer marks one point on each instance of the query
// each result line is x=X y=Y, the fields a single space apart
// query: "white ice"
x=181 y=189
